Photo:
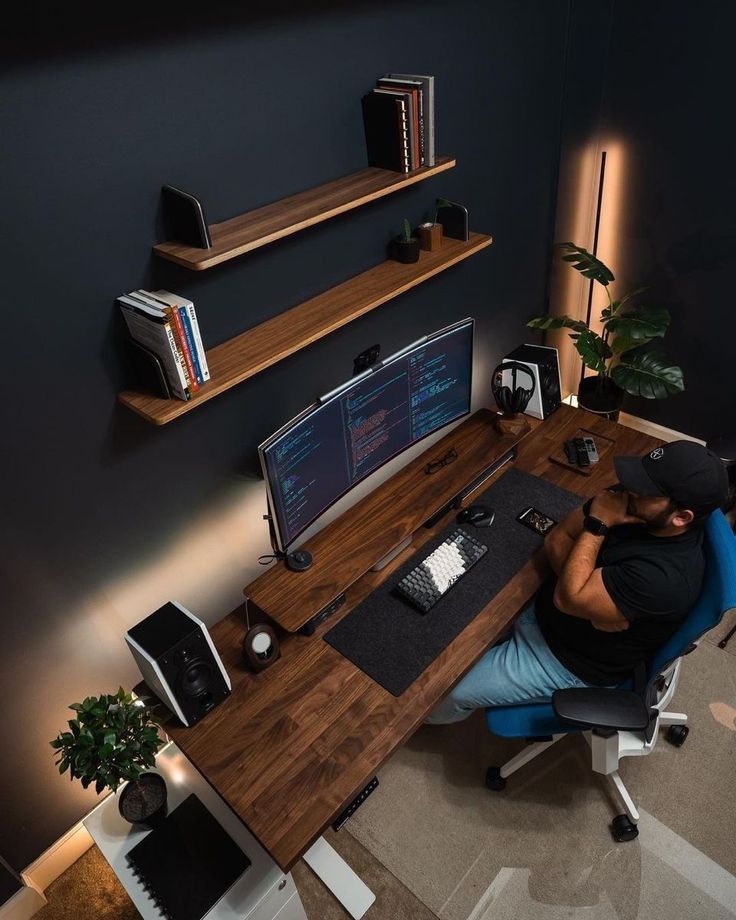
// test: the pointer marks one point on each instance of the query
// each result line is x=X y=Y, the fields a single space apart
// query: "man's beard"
x=656 y=522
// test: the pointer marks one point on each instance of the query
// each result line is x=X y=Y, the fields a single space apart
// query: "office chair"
x=625 y=721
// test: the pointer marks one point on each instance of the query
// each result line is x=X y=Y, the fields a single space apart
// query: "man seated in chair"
x=628 y=568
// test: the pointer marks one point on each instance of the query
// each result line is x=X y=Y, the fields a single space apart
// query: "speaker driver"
x=196 y=678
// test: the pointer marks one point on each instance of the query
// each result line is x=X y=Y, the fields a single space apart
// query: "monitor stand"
x=389 y=557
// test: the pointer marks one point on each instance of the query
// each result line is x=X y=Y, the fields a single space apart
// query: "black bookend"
x=454 y=220
x=184 y=219
x=146 y=369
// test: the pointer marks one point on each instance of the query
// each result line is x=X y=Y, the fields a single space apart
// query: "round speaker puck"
x=260 y=647
x=299 y=560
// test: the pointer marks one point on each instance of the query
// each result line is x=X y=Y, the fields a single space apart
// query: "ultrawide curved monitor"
x=354 y=429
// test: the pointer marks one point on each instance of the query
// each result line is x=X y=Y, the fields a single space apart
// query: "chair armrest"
x=598 y=707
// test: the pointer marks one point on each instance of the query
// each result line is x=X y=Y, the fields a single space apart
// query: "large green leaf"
x=631 y=294
x=620 y=344
x=556 y=322
x=592 y=349
x=648 y=375
x=587 y=264
x=646 y=323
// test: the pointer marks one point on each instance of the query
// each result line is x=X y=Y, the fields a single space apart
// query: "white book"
x=175 y=300
x=154 y=333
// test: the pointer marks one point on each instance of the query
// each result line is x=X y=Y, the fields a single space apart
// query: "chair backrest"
x=717 y=596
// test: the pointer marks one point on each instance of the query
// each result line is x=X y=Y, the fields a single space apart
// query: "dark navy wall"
x=667 y=88
x=241 y=111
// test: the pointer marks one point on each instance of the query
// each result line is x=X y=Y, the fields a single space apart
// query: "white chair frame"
x=606 y=752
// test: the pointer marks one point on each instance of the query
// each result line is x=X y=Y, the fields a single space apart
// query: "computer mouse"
x=478 y=515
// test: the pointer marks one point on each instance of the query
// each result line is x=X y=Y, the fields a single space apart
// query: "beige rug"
x=542 y=848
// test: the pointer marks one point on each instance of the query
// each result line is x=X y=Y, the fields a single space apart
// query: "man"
x=628 y=568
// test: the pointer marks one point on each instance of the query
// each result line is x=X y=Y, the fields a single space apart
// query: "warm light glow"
x=609 y=232
x=577 y=204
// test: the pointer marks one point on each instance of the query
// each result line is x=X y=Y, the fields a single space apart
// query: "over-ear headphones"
x=511 y=400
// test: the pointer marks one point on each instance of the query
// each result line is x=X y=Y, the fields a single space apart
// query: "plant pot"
x=601 y=396
x=144 y=801
x=430 y=237
x=402 y=250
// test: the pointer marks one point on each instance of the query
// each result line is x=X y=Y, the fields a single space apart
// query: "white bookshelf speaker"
x=179 y=662
x=544 y=364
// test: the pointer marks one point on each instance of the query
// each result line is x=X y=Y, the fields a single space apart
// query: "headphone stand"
x=515 y=425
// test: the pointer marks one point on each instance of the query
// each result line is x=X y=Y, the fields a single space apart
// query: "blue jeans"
x=520 y=670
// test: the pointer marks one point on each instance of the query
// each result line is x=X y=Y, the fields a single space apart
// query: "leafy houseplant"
x=617 y=355
x=111 y=740
x=405 y=247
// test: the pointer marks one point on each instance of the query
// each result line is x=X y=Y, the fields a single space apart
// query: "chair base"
x=605 y=755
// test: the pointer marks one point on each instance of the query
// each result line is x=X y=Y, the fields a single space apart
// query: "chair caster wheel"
x=676 y=734
x=623 y=829
x=494 y=780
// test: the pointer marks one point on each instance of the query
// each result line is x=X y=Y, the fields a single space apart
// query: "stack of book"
x=398 y=116
x=165 y=327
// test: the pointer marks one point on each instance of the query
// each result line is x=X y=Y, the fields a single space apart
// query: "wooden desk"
x=293 y=745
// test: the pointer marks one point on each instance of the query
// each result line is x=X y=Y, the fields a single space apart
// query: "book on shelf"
x=191 y=326
x=151 y=328
x=185 y=358
x=188 y=862
x=427 y=107
x=416 y=117
x=401 y=138
x=386 y=131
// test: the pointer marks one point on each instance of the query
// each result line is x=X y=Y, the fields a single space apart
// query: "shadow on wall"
x=702 y=251
x=71 y=31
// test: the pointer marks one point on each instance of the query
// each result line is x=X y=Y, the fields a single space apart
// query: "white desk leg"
x=354 y=895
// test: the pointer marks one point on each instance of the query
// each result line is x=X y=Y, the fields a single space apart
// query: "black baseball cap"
x=684 y=471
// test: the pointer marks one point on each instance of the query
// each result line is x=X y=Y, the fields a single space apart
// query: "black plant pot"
x=144 y=801
x=601 y=396
x=404 y=250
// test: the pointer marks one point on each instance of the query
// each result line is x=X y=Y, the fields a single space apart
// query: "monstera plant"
x=618 y=354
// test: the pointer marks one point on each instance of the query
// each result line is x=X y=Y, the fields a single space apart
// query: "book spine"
x=403 y=135
x=422 y=130
x=430 y=121
x=185 y=353
x=156 y=335
x=180 y=368
x=201 y=354
x=191 y=346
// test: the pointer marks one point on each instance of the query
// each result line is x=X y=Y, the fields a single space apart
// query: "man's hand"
x=612 y=509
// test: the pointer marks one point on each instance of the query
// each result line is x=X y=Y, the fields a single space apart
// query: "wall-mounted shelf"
x=233 y=237
x=256 y=349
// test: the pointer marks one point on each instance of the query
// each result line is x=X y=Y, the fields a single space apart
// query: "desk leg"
x=354 y=895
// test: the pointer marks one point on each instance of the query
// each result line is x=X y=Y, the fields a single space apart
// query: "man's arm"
x=560 y=540
x=580 y=591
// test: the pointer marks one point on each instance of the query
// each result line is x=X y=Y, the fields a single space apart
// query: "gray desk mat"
x=392 y=642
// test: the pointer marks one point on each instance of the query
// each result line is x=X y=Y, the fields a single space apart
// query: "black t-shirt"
x=654 y=582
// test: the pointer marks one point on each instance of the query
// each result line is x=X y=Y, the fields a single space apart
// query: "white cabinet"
x=263 y=891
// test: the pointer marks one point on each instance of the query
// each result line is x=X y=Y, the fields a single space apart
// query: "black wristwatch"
x=595 y=526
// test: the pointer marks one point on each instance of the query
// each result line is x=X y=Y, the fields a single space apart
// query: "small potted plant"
x=111 y=740
x=618 y=355
x=405 y=247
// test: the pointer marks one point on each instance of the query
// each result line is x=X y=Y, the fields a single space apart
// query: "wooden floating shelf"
x=258 y=348
x=233 y=237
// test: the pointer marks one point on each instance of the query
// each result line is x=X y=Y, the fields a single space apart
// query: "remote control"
x=583 y=459
x=592 y=450
x=571 y=453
